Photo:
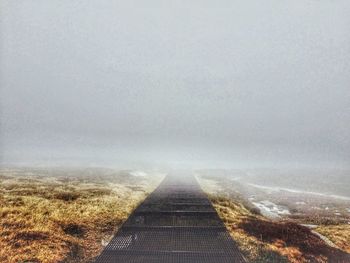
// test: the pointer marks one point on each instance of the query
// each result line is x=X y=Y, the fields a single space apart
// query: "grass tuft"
x=263 y=240
x=64 y=215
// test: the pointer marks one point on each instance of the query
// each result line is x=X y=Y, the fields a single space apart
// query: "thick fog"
x=181 y=83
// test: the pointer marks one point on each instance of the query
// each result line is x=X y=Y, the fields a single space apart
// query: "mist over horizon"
x=229 y=84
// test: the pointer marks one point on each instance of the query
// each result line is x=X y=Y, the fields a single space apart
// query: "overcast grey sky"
x=205 y=83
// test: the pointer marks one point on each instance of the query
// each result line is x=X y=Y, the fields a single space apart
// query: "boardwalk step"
x=175 y=224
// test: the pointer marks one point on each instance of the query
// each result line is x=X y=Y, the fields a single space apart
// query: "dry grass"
x=64 y=216
x=338 y=234
x=234 y=214
x=262 y=240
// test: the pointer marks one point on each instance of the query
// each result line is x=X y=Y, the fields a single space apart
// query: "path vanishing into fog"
x=176 y=223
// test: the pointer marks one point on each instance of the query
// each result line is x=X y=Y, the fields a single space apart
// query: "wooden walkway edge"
x=175 y=224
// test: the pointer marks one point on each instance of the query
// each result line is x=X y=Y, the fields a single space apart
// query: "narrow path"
x=175 y=224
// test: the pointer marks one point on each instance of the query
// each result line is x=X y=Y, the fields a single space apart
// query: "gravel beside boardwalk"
x=175 y=224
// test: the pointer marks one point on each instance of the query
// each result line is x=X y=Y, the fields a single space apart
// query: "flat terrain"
x=176 y=223
x=277 y=225
x=70 y=215
x=65 y=215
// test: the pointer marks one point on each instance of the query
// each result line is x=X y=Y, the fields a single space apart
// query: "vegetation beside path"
x=64 y=215
x=264 y=240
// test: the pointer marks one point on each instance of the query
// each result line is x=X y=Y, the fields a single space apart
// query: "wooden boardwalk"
x=175 y=224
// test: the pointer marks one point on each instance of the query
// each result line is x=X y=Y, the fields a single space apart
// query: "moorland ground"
x=69 y=215
x=65 y=215
x=293 y=236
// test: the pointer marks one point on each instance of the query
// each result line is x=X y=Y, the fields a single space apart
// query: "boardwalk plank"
x=175 y=224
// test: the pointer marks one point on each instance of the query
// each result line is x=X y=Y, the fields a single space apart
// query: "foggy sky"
x=205 y=83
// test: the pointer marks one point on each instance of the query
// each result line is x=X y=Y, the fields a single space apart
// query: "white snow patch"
x=309 y=226
x=270 y=209
x=325 y=239
x=138 y=173
x=270 y=189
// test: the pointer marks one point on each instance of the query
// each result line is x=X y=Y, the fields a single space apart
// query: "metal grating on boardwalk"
x=175 y=224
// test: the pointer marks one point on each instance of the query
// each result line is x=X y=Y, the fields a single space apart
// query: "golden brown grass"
x=65 y=215
x=234 y=214
x=338 y=234
x=262 y=240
